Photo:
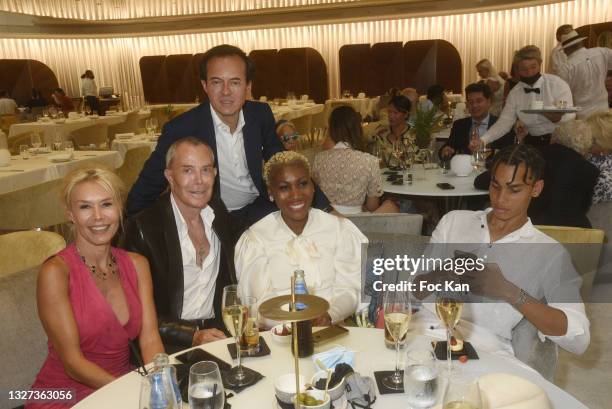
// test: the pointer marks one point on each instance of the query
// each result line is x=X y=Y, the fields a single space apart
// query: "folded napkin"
x=505 y=391
x=127 y=135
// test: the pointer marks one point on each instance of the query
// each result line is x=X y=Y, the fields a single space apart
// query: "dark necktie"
x=528 y=90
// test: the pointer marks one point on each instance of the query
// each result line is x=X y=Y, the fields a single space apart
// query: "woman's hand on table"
x=204 y=336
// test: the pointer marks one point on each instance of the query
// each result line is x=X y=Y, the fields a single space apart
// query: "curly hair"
x=601 y=128
x=515 y=155
x=575 y=135
x=281 y=159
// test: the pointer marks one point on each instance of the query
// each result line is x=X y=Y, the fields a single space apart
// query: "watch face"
x=604 y=39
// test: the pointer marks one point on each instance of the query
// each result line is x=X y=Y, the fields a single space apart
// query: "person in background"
x=387 y=137
x=327 y=248
x=350 y=177
x=601 y=154
x=93 y=299
x=489 y=76
x=188 y=238
x=534 y=86
x=585 y=71
x=478 y=98
x=285 y=130
x=557 y=56
x=8 y=106
x=511 y=82
x=89 y=90
x=62 y=101
x=436 y=98
x=36 y=100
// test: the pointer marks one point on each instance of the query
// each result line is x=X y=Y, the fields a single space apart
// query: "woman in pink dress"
x=93 y=298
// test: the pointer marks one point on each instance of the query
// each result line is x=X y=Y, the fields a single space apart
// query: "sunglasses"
x=290 y=137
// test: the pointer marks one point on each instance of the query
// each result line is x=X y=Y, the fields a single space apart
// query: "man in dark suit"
x=240 y=133
x=189 y=240
x=478 y=98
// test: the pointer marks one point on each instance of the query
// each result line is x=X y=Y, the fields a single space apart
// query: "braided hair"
x=515 y=155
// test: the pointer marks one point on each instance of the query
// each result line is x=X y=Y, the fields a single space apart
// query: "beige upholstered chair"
x=584 y=246
x=25 y=249
x=7 y=120
x=600 y=215
x=21 y=139
x=131 y=124
x=132 y=165
x=23 y=341
x=35 y=206
x=96 y=135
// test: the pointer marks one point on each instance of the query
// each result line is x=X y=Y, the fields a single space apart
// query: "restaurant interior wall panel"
x=197 y=84
x=267 y=74
x=448 y=66
x=180 y=78
x=355 y=69
x=431 y=62
x=318 y=87
x=387 y=62
x=154 y=79
x=20 y=76
x=293 y=71
x=492 y=34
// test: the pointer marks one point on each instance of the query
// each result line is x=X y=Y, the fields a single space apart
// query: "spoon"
x=321 y=365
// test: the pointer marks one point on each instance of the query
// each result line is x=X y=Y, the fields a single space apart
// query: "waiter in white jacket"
x=533 y=86
x=585 y=71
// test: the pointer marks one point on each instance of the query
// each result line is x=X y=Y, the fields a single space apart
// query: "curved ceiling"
x=246 y=14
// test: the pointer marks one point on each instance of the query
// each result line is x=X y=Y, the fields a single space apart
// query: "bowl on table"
x=315 y=399
x=281 y=334
x=336 y=392
x=284 y=387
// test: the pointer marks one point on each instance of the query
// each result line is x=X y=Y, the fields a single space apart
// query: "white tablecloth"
x=21 y=173
x=296 y=111
x=364 y=106
x=424 y=184
x=124 y=145
x=175 y=106
x=372 y=355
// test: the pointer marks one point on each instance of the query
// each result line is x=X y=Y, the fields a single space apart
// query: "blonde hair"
x=529 y=52
x=575 y=135
x=487 y=64
x=601 y=128
x=280 y=159
x=103 y=176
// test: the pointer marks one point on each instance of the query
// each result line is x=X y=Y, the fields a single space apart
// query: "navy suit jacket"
x=459 y=138
x=260 y=143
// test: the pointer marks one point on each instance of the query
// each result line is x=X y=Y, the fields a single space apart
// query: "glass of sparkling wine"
x=462 y=393
x=205 y=386
x=235 y=317
x=249 y=341
x=421 y=378
x=398 y=313
x=448 y=309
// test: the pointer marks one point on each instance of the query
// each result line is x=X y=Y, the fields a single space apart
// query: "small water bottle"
x=304 y=328
x=162 y=363
x=159 y=398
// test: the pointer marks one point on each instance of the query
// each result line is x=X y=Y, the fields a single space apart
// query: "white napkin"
x=505 y=391
x=127 y=135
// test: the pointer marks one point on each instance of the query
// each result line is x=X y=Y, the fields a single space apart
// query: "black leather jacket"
x=153 y=233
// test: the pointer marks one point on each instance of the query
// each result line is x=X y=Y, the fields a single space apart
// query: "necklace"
x=102 y=275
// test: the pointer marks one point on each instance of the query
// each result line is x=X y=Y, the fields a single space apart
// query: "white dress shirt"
x=585 y=71
x=328 y=251
x=552 y=89
x=557 y=58
x=545 y=271
x=88 y=87
x=198 y=282
x=8 y=106
x=237 y=187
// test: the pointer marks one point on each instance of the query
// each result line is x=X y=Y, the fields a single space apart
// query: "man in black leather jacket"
x=188 y=237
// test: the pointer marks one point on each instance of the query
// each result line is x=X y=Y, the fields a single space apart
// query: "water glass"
x=69 y=146
x=35 y=140
x=462 y=393
x=205 y=386
x=24 y=151
x=421 y=378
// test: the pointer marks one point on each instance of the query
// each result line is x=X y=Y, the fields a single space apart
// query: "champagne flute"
x=448 y=309
x=235 y=317
x=462 y=393
x=398 y=313
x=205 y=386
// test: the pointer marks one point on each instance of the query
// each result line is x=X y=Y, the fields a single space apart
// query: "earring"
x=271 y=198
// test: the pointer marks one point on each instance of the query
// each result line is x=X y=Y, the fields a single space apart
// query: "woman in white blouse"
x=327 y=248
x=89 y=89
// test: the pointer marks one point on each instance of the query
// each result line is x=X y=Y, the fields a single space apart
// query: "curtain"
x=494 y=35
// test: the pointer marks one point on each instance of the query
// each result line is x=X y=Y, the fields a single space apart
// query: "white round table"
x=424 y=184
x=371 y=355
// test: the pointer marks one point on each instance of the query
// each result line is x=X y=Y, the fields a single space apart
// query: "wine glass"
x=24 y=152
x=421 y=378
x=69 y=146
x=57 y=141
x=235 y=317
x=205 y=386
x=462 y=393
x=35 y=140
x=448 y=309
x=398 y=313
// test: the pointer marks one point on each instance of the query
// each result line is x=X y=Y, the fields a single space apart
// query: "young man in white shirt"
x=533 y=86
x=585 y=70
x=527 y=274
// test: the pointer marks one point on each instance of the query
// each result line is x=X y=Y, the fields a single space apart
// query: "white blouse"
x=329 y=250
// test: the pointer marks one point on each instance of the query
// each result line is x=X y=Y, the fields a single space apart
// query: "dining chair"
x=132 y=165
x=584 y=247
x=600 y=215
x=25 y=249
x=93 y=137
x=131 y=124
x=16 y=141
x=7 y=120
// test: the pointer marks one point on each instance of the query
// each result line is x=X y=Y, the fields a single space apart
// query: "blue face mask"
x=334 y=356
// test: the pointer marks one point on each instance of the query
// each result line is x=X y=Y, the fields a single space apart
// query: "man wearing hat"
x=557 y=56
x=585 y=71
